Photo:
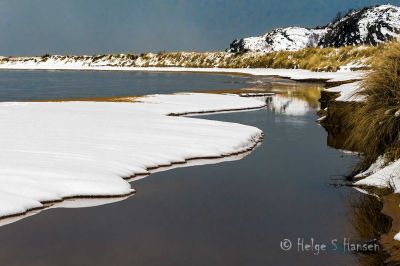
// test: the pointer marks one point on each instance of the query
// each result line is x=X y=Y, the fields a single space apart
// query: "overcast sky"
x=35 y=27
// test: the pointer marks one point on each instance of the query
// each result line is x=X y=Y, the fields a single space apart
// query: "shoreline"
x=193 y=113
x=339 y=101
x=167 y=110
x=162 y=167
x=301 y=75
x=195 y=161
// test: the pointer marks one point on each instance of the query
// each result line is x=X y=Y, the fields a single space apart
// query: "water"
x=231 y=213
x=45 y=85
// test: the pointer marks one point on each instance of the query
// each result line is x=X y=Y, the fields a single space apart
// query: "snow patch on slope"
x=282 y=39
x=371 y=25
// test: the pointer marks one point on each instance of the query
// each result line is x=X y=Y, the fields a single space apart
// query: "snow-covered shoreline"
x=348 y=92
x=379 y=174
x=51 y=151
x=65 y=63
x=107 y=178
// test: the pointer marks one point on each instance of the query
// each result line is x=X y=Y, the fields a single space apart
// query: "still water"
x=230 y=213
x=20 y=85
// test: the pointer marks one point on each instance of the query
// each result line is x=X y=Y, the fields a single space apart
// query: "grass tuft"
x=375 y=124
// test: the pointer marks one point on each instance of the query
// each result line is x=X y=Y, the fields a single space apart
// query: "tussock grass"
x=375 y=124
x=318 y=59
x=315 y=59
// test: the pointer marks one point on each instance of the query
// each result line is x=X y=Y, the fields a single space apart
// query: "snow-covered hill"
x=370 y=25
x=367 y=26
x=283 y=39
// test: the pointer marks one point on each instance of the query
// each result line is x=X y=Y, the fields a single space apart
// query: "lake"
x=230 y=213
x=21 y=85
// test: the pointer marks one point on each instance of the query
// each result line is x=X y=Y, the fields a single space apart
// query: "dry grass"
x=315 y=59
x=318 y=59
x=375 y=124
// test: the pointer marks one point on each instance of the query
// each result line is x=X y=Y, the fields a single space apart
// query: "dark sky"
x=35 y=27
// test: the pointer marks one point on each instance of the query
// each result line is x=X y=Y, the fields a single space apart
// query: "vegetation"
x=315 y=59
x=375 y=123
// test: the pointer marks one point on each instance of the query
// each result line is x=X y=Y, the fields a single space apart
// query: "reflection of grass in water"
x=368 y=221
x=366 y=216
x=309 y=94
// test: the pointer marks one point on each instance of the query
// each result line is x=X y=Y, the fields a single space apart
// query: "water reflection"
x=294 y=100
x=366 y=217
x=233 y=213
x=227 y=214
x=282 y=97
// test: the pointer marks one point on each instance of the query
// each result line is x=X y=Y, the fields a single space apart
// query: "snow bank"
x=347 y=92
x=50 y=151
x=195 y=103
x=382 y=176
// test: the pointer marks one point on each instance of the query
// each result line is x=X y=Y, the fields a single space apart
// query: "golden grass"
x=375 y=124
x=315 y=59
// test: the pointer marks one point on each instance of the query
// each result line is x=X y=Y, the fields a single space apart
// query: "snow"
x=347 y=92
x=50 y=151
x=388 y=13
x=357 y=64
x=380 y=23
x=187 y=103
x=63 y=63
x=255 y=44
x=283 y=39
x=373 y=168
x=382 y=176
